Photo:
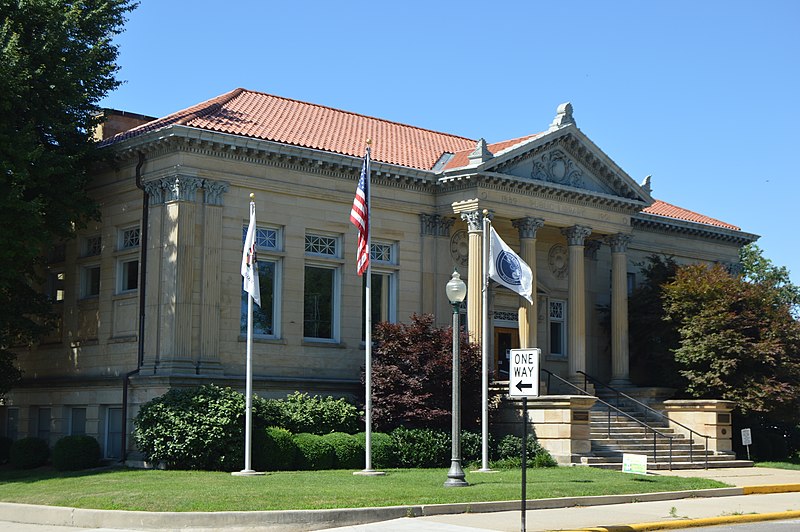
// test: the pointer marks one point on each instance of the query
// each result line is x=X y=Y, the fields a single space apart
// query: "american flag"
x=359 y=215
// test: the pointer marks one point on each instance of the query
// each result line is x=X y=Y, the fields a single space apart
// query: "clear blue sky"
x=703 y=95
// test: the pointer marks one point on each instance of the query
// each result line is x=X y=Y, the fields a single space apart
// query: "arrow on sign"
x=521 y=385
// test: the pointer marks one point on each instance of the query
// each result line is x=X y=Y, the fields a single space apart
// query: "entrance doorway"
x=505 y=339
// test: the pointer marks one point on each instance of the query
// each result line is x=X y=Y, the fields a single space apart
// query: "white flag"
x=508 y=269
x=249 y=266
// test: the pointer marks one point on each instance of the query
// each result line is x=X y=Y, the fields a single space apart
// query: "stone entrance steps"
x=610 y=440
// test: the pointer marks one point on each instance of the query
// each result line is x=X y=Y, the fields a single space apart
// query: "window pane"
x=556 y=340
x=263 y=319
x=380 y=296
x=93 y=246
x=130 y=275
x=91 y=281
x=318 y=302
x=43 y=424
x=78 y=422
x=114 y=433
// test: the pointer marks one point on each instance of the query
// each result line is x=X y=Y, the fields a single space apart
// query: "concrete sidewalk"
x=757 y=490
x=767 y=494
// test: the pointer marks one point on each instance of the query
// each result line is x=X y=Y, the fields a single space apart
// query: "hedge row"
x=401 y=448
x=70 y=453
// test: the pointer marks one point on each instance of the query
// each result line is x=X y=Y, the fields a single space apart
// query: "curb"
x=690 y=523
x=307 y=520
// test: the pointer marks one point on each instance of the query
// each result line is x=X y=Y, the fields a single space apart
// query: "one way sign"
x=523 y=378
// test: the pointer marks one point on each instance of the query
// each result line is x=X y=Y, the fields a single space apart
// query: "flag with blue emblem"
x=508 y=269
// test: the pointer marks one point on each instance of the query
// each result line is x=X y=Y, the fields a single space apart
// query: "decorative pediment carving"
x=555 y=167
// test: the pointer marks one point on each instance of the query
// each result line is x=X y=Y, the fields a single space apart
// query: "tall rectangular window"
x=77 y=425
x=12 y=422
x=55 y=286
x=266 y=317
x=128 y=275
x=557 y=317
x=43 y=423
x=90 y=280
x=318 y=301
x=128 y=263
x=113 y=433
x=383 y=287
x=321 y=287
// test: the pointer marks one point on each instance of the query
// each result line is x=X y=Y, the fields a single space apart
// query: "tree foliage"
x=651 y=338
x=412 y=375
x=738 y=340
x=57 y=62
x=757 y=269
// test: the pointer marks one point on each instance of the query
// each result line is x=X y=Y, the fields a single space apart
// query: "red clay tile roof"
x=263 y=116
x=662 y=208
x=461 y=158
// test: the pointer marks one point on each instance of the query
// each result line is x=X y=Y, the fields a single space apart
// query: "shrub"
x=314 y=452
x=383 y=455
x=300 y=412
x=196 y=428
x=421 y=447
x=279 y=451
x=509 y=453
x=412 y=374
x=28 y=453
x=72 y=453
x=5 y=448
x=471 y=446
x=349 y=451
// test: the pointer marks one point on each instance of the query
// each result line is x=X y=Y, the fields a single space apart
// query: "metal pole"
x=455 y=477
x=248 y=426
x=485 y=344
x=524 y=502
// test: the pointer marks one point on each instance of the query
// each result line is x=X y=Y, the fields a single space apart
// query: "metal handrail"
x=654 y=411
x=618 y=412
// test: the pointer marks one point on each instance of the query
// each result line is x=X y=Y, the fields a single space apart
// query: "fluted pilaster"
x=620 y=358
x=528 y=312
x=474 y=274
x=576 y=307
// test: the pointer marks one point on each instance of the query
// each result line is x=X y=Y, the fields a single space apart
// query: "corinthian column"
x=576 y=307
x=620 y=362
x=474 y=273
x=528 y=311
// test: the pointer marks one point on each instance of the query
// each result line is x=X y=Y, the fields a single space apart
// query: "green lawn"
x=791 y=464
x=185 y=491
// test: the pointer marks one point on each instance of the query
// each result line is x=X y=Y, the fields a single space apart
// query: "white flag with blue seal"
x=508 y=269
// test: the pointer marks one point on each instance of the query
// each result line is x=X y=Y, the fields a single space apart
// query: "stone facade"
x=175 y=202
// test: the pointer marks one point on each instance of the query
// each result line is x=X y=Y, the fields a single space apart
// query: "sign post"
x=523 y=381
x=747 y=440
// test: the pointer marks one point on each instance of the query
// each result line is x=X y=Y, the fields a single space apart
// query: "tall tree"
x=57 y=61
x=758 y=269
x=652 y=339
x=738 y=341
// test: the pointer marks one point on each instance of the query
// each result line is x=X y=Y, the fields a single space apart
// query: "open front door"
x=505 y=339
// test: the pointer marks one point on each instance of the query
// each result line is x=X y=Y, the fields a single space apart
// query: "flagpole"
x=368 y=327
x=248 y=424
x=485 y=345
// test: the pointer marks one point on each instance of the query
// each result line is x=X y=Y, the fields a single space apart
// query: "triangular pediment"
x=562 y=157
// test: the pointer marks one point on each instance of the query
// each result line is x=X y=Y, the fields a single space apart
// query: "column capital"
x=435 y=225
x=618 y=242
x=214 y=190
x=576 y=234
x=474 y=221
x=527 y=226
x=181 y=188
